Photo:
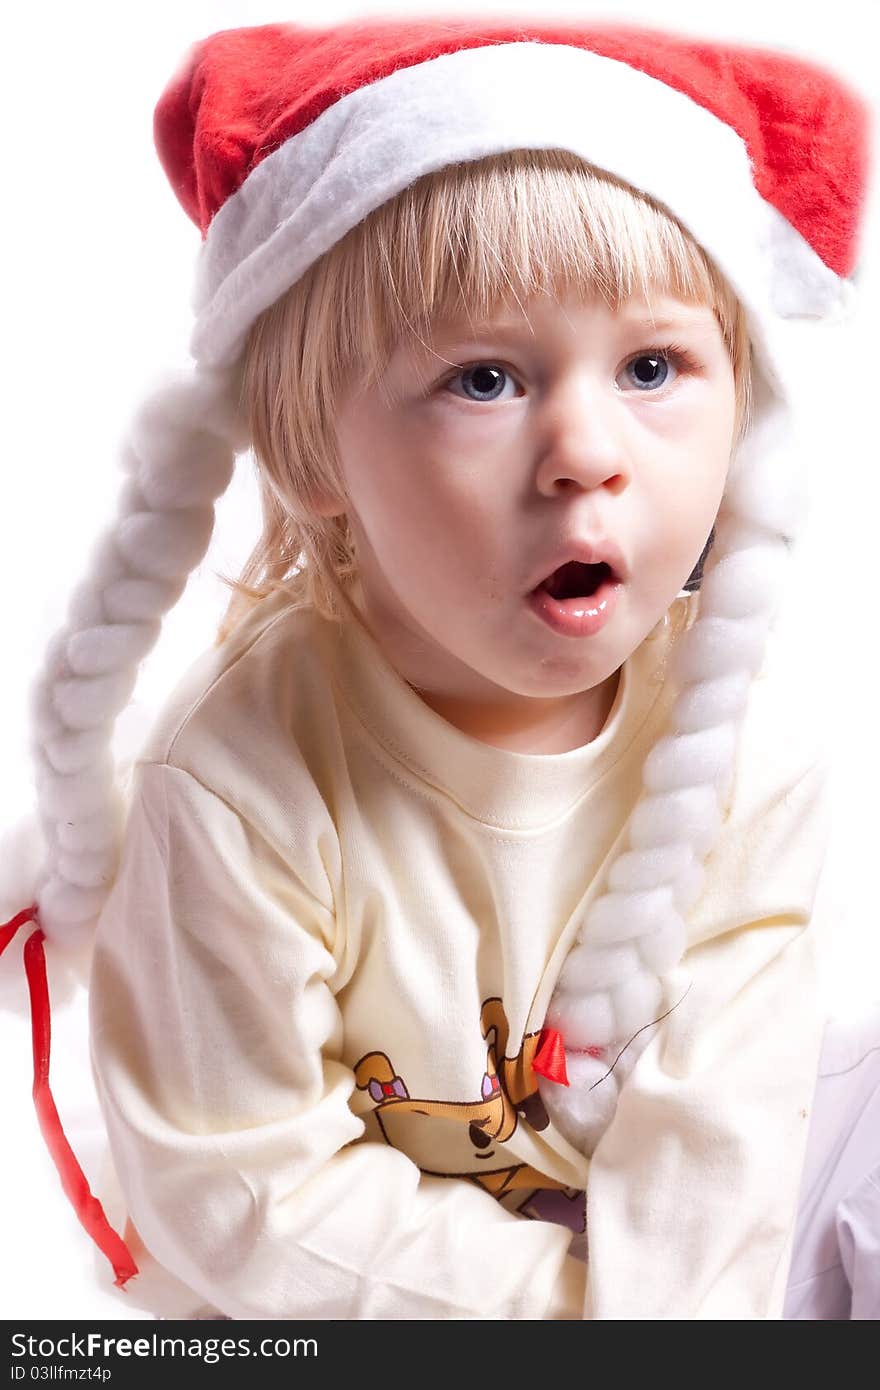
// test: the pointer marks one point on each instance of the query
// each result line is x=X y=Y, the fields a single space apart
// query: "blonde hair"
x=471 y=236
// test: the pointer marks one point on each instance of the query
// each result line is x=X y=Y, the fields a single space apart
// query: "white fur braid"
x=179 y=456
x=611 y=986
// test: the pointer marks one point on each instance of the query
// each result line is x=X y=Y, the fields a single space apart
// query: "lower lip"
x=576 y=617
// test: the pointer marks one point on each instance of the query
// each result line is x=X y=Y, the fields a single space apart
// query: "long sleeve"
x=694 y=1186
x=216 y=1046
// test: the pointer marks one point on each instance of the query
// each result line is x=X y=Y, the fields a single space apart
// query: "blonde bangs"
x=477 y=237
x=469 y=239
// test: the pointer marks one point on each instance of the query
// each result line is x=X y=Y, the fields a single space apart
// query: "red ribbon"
x=8 y=931
x=549 y=1059
x=73 y=1180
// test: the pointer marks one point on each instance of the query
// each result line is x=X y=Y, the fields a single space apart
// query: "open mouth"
x=576 y=580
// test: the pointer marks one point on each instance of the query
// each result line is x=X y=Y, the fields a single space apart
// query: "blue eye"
x=650 y=370
x=483 y=383
x=486 y=380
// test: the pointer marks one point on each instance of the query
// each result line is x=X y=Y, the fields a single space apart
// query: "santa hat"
x=279 y=139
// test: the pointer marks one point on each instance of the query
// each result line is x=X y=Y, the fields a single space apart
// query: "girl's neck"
x=524 y=725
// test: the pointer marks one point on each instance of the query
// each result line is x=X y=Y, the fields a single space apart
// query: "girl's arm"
x=694 y=1188
x=216 y=1045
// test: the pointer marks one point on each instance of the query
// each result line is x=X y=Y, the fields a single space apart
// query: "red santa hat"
x=277 y=140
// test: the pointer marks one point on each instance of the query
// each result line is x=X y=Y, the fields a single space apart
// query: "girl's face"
x=479 y=459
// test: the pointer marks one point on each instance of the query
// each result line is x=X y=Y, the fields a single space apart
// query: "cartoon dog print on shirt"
x=465 y=1138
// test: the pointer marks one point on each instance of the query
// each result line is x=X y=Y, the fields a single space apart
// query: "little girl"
x=459 y=960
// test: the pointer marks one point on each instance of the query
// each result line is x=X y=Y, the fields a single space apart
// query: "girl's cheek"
x=450 y=415
x=684 y=433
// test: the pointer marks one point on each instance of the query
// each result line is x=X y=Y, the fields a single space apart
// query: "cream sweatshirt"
x=322 y=972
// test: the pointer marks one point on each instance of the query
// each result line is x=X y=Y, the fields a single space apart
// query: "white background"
x=99 y=264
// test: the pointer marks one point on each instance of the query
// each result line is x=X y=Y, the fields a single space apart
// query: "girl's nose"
x=581 y=441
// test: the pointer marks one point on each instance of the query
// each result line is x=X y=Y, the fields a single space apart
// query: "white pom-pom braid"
x=178 y=457
x=611 y=988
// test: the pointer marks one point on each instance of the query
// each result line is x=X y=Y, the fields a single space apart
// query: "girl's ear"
x=327 y=503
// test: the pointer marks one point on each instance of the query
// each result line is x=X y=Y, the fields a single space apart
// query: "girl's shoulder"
x=243 y=695
x=251 y=726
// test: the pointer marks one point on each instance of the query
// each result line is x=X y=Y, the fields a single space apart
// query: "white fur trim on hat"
x=301 y=199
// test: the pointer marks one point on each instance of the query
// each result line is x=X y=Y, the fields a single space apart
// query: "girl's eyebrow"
x=685 y=316
x=457 y=335
x=461 y=331
x=514 y=331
